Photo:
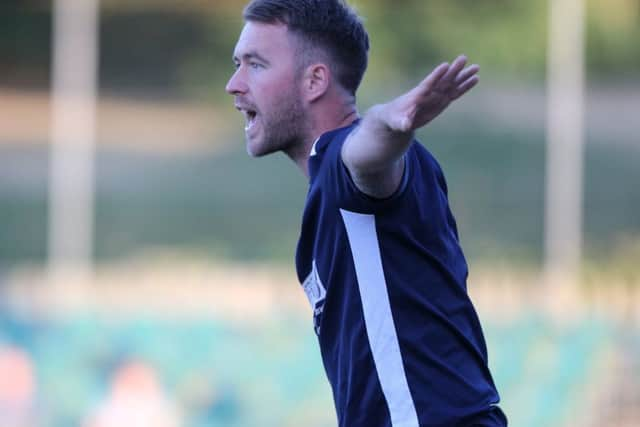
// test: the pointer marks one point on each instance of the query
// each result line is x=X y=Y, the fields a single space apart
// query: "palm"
x=432 y=96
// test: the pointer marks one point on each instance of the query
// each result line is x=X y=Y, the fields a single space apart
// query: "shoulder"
x=329 y=174
x=424 y=163
x=332 y=140
x=325 y=152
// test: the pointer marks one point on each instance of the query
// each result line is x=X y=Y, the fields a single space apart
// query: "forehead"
x=267 y=40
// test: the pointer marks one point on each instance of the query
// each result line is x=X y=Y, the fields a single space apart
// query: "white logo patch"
x=316 y=293
x=313 y=287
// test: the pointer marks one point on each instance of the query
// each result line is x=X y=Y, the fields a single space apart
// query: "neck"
x=322 y=123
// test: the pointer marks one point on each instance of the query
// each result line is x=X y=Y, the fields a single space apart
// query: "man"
x=378 y=254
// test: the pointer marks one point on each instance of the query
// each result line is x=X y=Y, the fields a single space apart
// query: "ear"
x=315 y=81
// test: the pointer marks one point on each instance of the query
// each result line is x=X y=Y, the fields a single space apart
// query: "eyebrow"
x=251 y=55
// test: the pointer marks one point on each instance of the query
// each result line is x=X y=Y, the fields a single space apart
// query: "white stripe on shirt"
x=383 y=340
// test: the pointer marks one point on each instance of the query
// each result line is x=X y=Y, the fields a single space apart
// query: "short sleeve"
x=336 y=182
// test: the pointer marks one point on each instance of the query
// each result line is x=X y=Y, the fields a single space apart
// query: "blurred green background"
x=219 y=202
x=177 y=194
x=162 y=51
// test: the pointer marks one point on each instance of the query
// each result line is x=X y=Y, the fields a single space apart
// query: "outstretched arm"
x=373 y=152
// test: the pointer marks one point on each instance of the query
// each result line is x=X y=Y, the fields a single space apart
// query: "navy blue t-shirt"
x=400 y=340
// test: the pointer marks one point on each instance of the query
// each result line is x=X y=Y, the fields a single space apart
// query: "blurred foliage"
x=613 y=32
x=506 y=37
x=147 y=51
x=183 y=47
x=25 y=28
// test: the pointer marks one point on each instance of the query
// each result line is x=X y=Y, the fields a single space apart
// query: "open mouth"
x=250 y=117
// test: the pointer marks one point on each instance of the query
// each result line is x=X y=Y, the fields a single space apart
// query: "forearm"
x=373 y=152
x=374 y=146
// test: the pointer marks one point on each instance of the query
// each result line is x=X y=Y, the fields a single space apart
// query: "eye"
x=255 y=65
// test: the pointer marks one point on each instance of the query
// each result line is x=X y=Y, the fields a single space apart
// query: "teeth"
x=250 y=117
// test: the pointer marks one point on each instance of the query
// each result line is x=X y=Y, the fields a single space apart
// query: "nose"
x=236 y=85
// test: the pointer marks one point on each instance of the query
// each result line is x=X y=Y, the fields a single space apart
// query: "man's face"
x=266 y=87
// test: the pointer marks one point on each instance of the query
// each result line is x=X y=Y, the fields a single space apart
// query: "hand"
x=373 y=151
x=432 y=96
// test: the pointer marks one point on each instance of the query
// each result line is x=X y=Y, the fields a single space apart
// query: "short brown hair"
x=330 y=26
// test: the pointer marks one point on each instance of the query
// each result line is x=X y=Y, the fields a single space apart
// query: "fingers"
x=447 y=77
x=451 y=80
x=456 y=66
x=435 y=76
x=466 y=80
x=466 y=73
x=466 y=86
x=459 y=80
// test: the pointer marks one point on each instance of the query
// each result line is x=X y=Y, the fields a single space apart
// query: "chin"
x=262 y=147
x=254 y=154
x=257 y=150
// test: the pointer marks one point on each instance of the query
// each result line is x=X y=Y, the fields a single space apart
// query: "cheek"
x=276 y=87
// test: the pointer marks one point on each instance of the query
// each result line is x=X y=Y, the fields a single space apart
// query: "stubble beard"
x=284 y=128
